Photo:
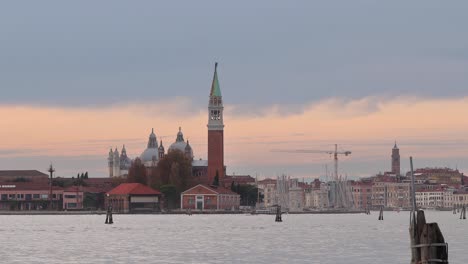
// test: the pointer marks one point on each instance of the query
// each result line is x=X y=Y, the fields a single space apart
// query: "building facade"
x=362 y=194
x=133 y=198
x=430 y=199
x=203 y=197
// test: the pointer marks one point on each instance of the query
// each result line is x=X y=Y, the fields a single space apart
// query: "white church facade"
x=119 y=163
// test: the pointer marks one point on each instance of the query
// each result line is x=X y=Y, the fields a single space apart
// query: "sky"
x=77 y=78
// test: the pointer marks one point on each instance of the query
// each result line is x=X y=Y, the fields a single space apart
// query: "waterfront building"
x=430 y=198
x=73 y=198
x=448 y=199
x=316 y=196
x=133 y=198
x=388 y=193
x=30 y=196
x=362 y=194
x=460 y=198
x=267 y=187
x=296 y=196
x=435 y=176
x=204 y=197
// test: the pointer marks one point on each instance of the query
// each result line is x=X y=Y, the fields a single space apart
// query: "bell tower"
x=215 y=131
x=396 y=160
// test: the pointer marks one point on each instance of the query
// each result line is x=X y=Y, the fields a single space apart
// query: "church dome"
x=151 y=152
x=180 y=144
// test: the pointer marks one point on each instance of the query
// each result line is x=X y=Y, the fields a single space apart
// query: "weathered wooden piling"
x=381 y=213
x=463 y=213
x=278 y=214
x=427 y=242
x=109 y=219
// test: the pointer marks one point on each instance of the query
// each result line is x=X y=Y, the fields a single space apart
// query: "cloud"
x=427 y=128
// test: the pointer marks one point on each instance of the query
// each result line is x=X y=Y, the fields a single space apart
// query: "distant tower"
x=116 y=163
x=111 y=163
x=396 y=160
x=188 y=151
x=161 y=150
x=215 y=131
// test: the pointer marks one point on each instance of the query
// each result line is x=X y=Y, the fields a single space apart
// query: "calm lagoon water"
x=220 y=238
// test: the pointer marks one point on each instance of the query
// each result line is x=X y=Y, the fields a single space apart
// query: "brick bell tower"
x=215 y=131
x=396 y=160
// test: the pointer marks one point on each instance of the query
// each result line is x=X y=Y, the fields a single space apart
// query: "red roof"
x=134 y=189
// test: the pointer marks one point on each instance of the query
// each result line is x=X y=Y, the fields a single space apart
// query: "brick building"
x=30 y=196
x=203 y=197
x=362 y=194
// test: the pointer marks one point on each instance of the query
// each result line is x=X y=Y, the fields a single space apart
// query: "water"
x=220 y=238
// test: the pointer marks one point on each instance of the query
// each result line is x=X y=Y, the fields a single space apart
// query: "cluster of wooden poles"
x=278 y=214
x=381 y=214
x=463 y=213
x=109 y=219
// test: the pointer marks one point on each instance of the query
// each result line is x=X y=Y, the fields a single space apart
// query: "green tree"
x=171 y=195
x=137 y=172
x=248 y=194
x=173 y=169
x=86 y=175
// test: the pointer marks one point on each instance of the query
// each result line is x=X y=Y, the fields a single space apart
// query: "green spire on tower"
x=215 y=90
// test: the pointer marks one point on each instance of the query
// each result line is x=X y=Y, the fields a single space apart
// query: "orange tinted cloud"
x=359 y=124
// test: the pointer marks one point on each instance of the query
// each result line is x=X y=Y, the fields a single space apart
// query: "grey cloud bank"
x=270 y=52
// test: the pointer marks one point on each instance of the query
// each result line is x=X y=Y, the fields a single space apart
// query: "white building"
x=267 y=187
x=296 y=196
x=460 y=198
x=430 y=199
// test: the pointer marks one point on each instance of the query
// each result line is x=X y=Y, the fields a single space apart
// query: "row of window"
x=21 y=196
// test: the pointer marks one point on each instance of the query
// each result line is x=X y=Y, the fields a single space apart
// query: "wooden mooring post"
x=278 y=214
x=463 y=212
x=427 y=242
x=381 y=214
x=109 y=219
x=428 y=245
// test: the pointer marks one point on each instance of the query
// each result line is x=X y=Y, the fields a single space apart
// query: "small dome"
x=180 y=144
x=149 y=155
